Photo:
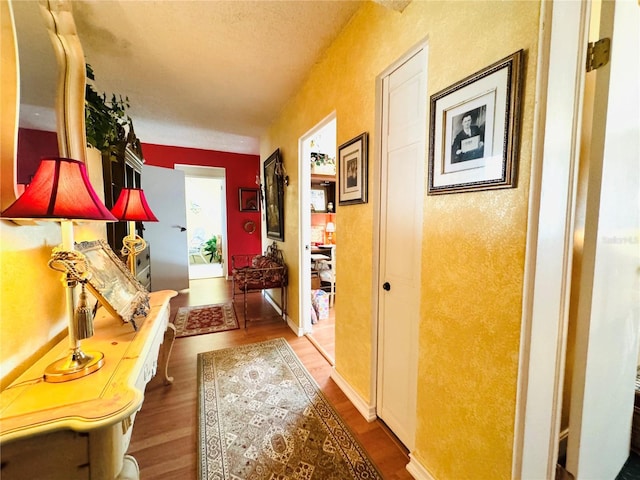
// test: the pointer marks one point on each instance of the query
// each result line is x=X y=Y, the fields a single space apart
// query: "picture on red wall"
x=249 y=200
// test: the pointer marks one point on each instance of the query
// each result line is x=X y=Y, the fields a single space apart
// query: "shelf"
x=316 y=178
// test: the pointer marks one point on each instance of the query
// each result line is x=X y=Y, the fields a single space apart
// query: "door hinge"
x=598 y=53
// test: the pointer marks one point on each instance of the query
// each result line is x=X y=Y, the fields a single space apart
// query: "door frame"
x=213 y=173
x=563 y=35
x=304 y=224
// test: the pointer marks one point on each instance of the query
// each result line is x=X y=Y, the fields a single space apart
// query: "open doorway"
x=318 y=231
x=206 y=220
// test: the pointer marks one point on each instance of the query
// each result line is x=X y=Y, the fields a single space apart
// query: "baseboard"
x=418 y=471
x=297 y=329
x=366 y=410
x=294 y=328
x=273 y=303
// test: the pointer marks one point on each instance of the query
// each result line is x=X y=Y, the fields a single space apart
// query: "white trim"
x=375 y=192
x=201 y=171
x=272 y=301
x=294 y=328
x=550 y=239
x=544 y=40
x=417 y=470
x=214 y=173
x=366 y=410
x=304 y=224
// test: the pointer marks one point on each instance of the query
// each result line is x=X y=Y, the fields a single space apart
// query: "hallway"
x=164 y=440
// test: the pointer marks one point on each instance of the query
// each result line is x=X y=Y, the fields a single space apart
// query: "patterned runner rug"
x=262 y=416
x=205 y=319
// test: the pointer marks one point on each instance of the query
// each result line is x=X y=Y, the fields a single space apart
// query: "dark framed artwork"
x=353 y=170
x=475 y=128
x=274 y=196
x=249 y=199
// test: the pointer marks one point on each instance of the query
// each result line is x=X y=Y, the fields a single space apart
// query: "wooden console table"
x=81 y=429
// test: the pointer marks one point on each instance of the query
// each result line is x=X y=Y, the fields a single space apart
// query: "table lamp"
x=132 y=207
x=330 y=228
x=61 y=191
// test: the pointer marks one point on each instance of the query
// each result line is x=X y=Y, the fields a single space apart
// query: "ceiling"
x=205 y=74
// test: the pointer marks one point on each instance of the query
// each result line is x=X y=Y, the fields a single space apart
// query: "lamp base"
x=76 y=365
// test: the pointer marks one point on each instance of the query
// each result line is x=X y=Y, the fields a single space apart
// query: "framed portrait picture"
x=353 y=170
x=274 y=196
x=474 y=133
x=318 y=199
x=249 y=200
x=112 y=283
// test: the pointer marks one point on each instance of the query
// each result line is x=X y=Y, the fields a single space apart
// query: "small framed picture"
x=112 y=283
x=353 y=170
x=318 y=199
x=475 y=127
x=249 y=201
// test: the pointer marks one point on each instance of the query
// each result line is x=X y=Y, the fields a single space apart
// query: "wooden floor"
x=164 y=440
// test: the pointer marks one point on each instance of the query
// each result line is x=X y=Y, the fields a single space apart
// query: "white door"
x=404 y=115
x=164 y=189
x=608 y=316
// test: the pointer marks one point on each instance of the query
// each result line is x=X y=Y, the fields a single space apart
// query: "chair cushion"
x=260 y=261
x=264 y=273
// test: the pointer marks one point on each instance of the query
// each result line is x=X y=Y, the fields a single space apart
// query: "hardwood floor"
x=164 y=440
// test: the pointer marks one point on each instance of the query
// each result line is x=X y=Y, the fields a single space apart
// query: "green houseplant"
x=107 y=123
x=211 y=249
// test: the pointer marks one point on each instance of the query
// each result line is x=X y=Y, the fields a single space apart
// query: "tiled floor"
x=205 y=270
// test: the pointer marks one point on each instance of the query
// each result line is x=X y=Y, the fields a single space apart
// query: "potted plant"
x=211 y=249
x=106 y=122
x=322 y=164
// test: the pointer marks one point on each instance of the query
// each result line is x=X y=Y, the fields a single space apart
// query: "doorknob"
x=386 y=286
x=182 y=229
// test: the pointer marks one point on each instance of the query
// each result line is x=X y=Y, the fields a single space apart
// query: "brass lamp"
x=132 y=207
x=61 y=191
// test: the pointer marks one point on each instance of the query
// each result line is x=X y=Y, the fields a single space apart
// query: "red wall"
x=241 y=171
x=32 y=146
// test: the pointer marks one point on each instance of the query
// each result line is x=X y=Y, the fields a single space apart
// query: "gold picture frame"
x=112 y=283
x=475 y=129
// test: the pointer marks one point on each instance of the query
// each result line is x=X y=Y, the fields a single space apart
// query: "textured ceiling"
x=206 y=74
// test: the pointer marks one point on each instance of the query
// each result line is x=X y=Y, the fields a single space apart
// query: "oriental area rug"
x=205 y=319
x=262 y=416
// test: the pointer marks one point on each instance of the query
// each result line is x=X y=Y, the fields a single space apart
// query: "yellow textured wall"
x=474 y=243
x=31 y=313
x=32 y=302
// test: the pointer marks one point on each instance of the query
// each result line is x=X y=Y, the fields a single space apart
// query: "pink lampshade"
x=60 y=189
x=132 y=206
